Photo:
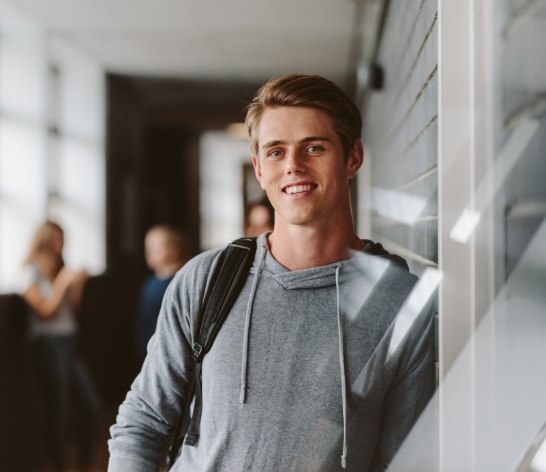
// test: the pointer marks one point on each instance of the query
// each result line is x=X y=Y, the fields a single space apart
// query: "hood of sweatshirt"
x=363 y=265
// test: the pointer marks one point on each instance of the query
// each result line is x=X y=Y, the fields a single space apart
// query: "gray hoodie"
x=303 y=376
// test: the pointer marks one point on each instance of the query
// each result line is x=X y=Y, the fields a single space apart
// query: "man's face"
x=300 y=165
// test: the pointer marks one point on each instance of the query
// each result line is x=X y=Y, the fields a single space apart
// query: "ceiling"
x=235 y=40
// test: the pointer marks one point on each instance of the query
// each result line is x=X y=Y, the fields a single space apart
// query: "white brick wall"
x=400 y=133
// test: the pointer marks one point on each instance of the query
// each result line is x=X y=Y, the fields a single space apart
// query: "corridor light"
x=397 y=206
x=465 y=226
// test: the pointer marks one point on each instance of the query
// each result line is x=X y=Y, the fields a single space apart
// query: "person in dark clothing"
x=166 y=250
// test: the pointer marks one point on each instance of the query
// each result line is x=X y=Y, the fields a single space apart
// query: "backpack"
x=226 y=283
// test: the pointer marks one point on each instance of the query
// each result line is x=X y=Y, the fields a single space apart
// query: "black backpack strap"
x=227 y=280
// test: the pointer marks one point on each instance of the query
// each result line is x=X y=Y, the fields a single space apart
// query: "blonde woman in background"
x=52 y=292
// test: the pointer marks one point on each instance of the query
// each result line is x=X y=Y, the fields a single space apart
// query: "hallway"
x=111 y=123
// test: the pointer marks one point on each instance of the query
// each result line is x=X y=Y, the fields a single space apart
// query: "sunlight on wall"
x=221 y=183
x=51 y=145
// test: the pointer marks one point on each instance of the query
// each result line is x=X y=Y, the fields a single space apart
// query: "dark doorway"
x=152 y=139
x=153 y=134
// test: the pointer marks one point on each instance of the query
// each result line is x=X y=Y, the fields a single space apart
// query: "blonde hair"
x=175 y=239
x=42 y=244
x=311 y=91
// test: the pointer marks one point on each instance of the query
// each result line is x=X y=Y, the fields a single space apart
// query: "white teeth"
x=298 y=189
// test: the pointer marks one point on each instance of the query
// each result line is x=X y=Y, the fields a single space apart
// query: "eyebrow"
x=308 y=139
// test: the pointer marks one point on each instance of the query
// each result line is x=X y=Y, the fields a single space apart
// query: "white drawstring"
x=242 y=395
x=342 y=369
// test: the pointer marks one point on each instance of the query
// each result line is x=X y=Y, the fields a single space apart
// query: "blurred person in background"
x=166 y=250
x=53 y=292
x=259 y=218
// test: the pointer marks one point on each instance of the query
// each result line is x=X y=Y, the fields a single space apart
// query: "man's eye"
x=275 y=153
x=315 y=149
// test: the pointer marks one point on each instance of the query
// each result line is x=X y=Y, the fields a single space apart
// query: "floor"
x=101 y=464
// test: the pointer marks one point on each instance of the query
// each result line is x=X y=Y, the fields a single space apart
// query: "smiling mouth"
x=295 y=189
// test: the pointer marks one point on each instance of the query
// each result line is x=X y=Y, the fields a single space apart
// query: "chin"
x=298 y=221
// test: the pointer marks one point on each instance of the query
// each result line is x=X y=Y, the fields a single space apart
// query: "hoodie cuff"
x=131 y=464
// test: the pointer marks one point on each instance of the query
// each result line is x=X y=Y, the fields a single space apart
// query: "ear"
x=257 y=170
x=355 y=159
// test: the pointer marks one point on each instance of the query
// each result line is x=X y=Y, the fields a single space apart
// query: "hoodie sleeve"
x=148 y=417
x=410 y=391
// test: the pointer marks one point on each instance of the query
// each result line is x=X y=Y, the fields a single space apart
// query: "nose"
x=294 y=162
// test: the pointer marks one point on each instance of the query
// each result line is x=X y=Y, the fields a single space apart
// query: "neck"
x=300 y=247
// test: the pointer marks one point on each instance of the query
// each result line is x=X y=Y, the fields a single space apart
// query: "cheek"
x=265 y=176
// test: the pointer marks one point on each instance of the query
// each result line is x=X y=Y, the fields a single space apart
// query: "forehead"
x=155 y=237
x=293 y=123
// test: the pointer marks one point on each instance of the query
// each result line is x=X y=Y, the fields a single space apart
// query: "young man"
x=304 y=374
